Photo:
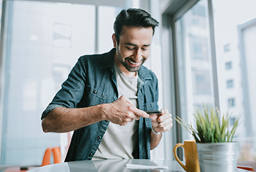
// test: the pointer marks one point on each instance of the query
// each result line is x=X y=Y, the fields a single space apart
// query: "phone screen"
x=154 y=112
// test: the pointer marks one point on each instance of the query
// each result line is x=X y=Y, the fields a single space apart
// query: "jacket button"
x=90 y=154
x=94 y=91
x=99 y=137
x=106 y=120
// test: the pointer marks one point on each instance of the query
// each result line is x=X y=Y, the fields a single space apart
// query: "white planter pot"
x=217 y=157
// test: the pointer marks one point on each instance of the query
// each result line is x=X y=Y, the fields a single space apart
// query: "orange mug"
x=191 y=158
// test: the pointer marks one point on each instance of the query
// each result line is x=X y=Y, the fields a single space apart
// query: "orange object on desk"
x=56 y=155
x=47 y=156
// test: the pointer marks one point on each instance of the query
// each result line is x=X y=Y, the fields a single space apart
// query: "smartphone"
x=154 y=112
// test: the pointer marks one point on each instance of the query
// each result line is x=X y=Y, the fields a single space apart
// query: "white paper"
x=137 y=166
x=241 y=170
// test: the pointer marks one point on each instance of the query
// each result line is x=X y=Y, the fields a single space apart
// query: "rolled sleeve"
x=49 y=108
x=71 y=91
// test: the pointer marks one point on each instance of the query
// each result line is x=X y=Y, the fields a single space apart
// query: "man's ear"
x=114 y=40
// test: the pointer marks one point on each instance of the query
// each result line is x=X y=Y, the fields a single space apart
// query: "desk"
x=109 y=166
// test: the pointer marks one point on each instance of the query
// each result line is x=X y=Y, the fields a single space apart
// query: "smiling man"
x=105 y=97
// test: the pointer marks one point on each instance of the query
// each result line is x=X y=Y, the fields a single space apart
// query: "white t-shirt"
x=118 y=141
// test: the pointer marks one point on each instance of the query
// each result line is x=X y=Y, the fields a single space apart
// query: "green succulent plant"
x=210 y=126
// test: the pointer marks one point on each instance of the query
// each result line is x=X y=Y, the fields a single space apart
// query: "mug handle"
x=176 y=157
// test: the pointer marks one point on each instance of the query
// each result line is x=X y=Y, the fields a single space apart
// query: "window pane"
x=107 y=17
x=194 y=62
x=230 y=83
x=232 y=121
x=228 y=65
x=231 y=102
x=226 y=48
x=240 y=34
x=44 y=42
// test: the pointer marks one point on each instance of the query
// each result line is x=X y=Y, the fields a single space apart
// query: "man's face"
x=133 y=48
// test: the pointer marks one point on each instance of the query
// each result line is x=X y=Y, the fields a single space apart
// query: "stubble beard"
x=128 y=67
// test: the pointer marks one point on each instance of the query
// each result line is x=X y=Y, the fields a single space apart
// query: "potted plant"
x=216 y=151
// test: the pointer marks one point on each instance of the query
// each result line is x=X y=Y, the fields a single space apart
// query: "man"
x=105 y=97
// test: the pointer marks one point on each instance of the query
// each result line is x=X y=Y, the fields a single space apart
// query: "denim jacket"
x=92 y=81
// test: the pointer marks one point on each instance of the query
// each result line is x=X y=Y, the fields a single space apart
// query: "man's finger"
x=166 y=115
x=137 y=117
x=163 y=117
x=153 y=117
x=166 y=123
x=140 y=113
x=126 y=99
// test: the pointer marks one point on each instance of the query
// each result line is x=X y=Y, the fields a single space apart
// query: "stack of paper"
x=137 y=166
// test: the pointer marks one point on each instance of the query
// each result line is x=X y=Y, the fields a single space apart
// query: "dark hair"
x=133 y=17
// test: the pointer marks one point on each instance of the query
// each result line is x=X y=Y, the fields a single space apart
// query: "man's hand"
x=122 y=111
x=162 y=122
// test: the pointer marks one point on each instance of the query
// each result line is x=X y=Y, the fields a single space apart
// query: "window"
x=236 y=40
x=240 y=32
x=232 y=121
x=42 y=47
x=194 y=62
x=107 y=16
x=226 y=48
x=231 y=102
x=201 y=82
x=230 y=83
x=228 y=65
x=199 y=10
x=198 y=47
